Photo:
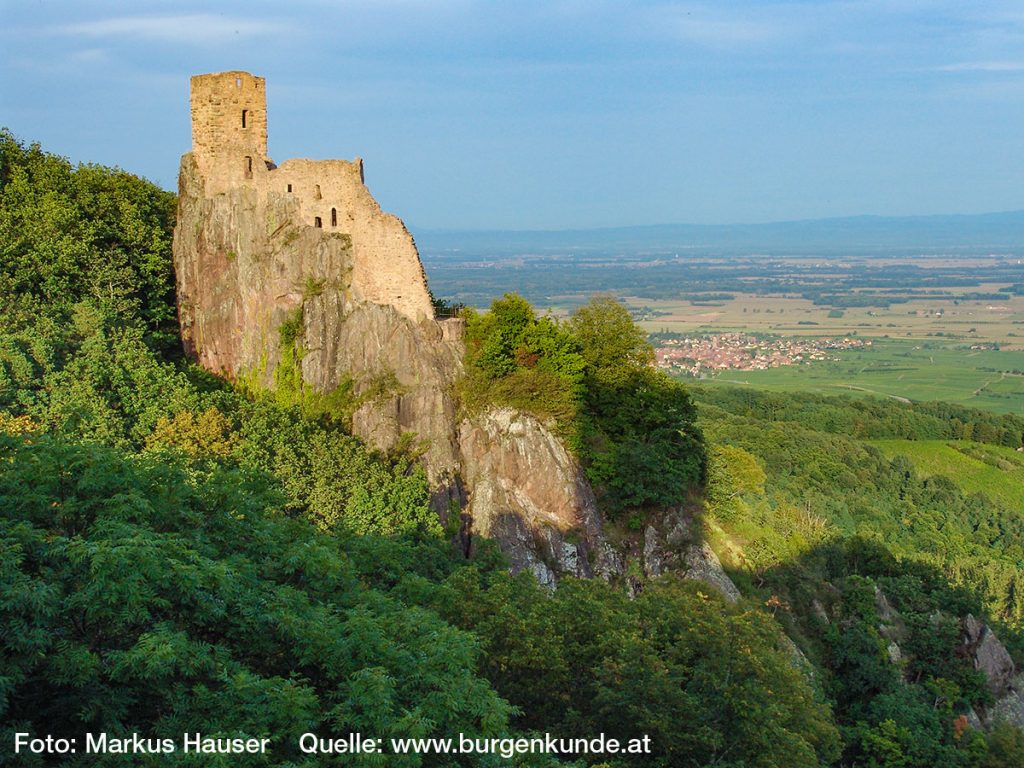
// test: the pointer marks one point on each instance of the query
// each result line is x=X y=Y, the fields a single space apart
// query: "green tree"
x=732 y=472
x=91 y=234
x=613 y=346
x=139 y=597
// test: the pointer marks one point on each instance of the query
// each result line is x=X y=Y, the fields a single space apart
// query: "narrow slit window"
x=248 y=167
x=334 y=217
x=238 y=82
x=289 y=187
x=316 y=192
x=317 y=222
x=245 y=118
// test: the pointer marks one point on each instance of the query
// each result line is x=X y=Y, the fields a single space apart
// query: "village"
x=701 y=356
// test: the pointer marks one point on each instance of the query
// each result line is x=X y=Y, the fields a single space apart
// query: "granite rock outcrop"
x=291 y=278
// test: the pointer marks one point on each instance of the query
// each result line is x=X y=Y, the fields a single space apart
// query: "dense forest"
x=178 y=554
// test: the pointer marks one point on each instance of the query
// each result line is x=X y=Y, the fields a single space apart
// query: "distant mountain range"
x=973 y=233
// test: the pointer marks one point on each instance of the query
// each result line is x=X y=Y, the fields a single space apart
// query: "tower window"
x=317 y=222
x=245 y=115
x=238 y=82
x=289 y=187
x=248 y=167
x=316 y=192
x=334 y=217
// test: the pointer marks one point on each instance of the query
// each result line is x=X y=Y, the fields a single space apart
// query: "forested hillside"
x=178 y=554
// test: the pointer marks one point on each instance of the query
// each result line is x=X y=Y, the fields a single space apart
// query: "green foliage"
x=994 y=470
x=232 y=618
x=631 y=426
x=1005 y=747
x=870 y=418
x=291 y=329
x=110 y=388
x=613 y=346
x=331 y=478
x=705 y=680
x=515 y=359
x=821 y=485
x=834 y=522
x=86 y=234
x=732 y=472
x=205 y=435
x=641 y=444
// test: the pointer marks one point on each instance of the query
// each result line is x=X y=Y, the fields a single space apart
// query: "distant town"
x=700 y=356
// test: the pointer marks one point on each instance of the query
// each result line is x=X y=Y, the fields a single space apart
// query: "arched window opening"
x=316 y=192
x=334 y=217
x=245 y=118
x=317 y=222
x=248 y=167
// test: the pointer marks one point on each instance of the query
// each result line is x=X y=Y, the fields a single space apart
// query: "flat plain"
x=904 y=370
x=941 y=327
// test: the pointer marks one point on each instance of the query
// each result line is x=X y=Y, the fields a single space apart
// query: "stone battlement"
x=229 y=146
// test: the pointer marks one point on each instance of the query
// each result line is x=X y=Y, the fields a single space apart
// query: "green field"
x=996 y=470
x=904 y=370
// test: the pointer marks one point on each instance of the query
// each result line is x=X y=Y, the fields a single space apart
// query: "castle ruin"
x=292 y=280
x=229 y=145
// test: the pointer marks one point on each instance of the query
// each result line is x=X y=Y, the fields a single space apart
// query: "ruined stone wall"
x=330 y=195
x=229 y=144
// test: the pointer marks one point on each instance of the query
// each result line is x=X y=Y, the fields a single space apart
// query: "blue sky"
x=558 y=114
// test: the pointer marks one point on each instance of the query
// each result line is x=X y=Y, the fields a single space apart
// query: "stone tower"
x=229 y=153
x=229 y=127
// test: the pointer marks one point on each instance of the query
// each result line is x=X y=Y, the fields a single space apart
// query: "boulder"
x=988 y=654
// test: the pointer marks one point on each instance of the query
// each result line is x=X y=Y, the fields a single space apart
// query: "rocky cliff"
x=291 y=278
x=266 y=299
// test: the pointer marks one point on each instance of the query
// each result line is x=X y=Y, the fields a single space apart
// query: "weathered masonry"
x=229 y=146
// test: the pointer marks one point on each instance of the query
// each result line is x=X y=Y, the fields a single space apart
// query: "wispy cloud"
x=199 y=28
x=982 y=66
x=89 y=56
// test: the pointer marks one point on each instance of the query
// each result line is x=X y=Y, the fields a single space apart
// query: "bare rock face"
x=670 y=546
x=529 y=494
x=891 y=625
x=989 y=655
x=702 y=564
x=1010 y=706
x=402 y=372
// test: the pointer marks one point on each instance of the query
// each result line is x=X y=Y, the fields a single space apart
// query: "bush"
x=592 y=380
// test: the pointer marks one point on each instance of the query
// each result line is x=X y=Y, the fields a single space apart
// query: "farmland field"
x=970 y=320
x=995 y=470
x=904 y=370
x=941 y=327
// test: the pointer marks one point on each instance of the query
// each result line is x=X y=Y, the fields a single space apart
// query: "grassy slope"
x=997 y=471
x=905 y=370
